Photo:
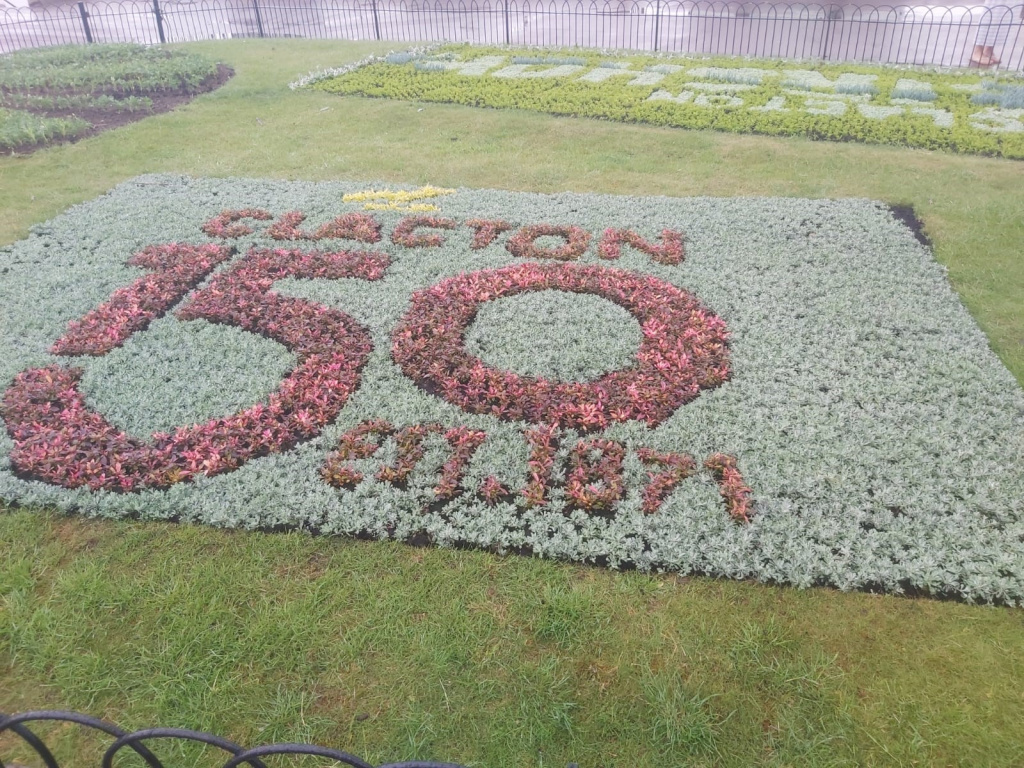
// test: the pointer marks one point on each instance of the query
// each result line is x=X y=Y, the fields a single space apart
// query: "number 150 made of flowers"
x=60 y=440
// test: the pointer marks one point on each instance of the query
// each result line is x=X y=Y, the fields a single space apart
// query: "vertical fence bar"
x=826 y=39
x=259 y=17
x=657 y=24
x=5 y=47
x=85 y=22
x=159 y=21
x=851 y=33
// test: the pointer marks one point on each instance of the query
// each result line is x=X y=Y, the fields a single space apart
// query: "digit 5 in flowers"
x=59 y=439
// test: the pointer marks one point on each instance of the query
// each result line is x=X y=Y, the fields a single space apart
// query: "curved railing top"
x=974 y=10
x=941 y=35
x=122 y=740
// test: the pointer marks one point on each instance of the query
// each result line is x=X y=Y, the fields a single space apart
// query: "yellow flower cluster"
x=400 y=207
x=400 y=200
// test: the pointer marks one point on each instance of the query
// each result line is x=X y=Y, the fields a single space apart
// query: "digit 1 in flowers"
x=177 y=269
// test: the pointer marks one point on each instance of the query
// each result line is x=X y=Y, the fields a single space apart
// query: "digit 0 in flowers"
x=443 y=383
x=60 y=440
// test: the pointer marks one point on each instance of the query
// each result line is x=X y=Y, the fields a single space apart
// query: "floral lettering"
x=677 y=467
x=59 y=440
x=684 y=349
x=596 y=484
x=731 y=486
x=544 y=445
x=521 y=244
x=354 y=444
x=487 y=231
x=671 y=250
x=224 y=225
x=404 y=232
x=178 y=269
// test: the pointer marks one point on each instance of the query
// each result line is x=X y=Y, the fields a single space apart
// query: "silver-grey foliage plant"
x=882 y=438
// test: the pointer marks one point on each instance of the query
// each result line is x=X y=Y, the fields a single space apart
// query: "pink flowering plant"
x=731 y=387
x=524 y=242
x=59 y=439
x=684 y=349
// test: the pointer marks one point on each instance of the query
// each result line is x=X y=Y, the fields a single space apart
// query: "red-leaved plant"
x=361 y=227
x=676 y=468
x=683 y=349
x=58 y=439
x=493 y=491
x=522 y=243
x=226 y=223
x=671 y=250
x=177 y=269
x=356 y=444
x=731 y=486
x=543 y=447
x=596 y=484
x=405 y=232
x=486 y=231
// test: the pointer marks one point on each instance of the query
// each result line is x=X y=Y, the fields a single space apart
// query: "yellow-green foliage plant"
x=925 y=108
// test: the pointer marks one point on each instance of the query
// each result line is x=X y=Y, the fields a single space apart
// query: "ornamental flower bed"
x=65 y=93
x=963 y=111
x=785 y=390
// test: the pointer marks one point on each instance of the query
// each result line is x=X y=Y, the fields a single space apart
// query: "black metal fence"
x=925 y=35
x=125 y=741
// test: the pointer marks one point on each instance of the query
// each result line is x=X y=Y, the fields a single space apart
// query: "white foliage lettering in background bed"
x=907 y=106
x=804 y=88
x=786 y=390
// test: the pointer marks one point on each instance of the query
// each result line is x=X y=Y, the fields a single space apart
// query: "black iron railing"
x=926 y=35
x=134 y=741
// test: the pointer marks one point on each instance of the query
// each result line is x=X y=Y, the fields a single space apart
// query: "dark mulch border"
x=907 y=215
x=104 y=120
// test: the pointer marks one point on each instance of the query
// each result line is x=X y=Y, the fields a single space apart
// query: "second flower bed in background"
x=955 y=111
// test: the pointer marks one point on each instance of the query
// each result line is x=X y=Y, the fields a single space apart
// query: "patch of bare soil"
x=105 y=120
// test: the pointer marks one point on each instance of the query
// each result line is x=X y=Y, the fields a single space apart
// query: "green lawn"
x=392 y=652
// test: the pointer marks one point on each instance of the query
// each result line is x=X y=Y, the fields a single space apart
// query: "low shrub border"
x=844 y=432
x=955 y=111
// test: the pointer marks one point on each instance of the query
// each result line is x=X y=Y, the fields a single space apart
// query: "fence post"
x=159 y=21
x=376 y=20
x=259 y=18
x=826 y=42
x=657 y=24
x=508 y=26
x=85 y=22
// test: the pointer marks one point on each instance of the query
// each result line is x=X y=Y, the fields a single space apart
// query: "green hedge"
x=428 y=77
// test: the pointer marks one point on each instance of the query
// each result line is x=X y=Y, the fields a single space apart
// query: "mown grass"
x=393 y=652
x=397 y=653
